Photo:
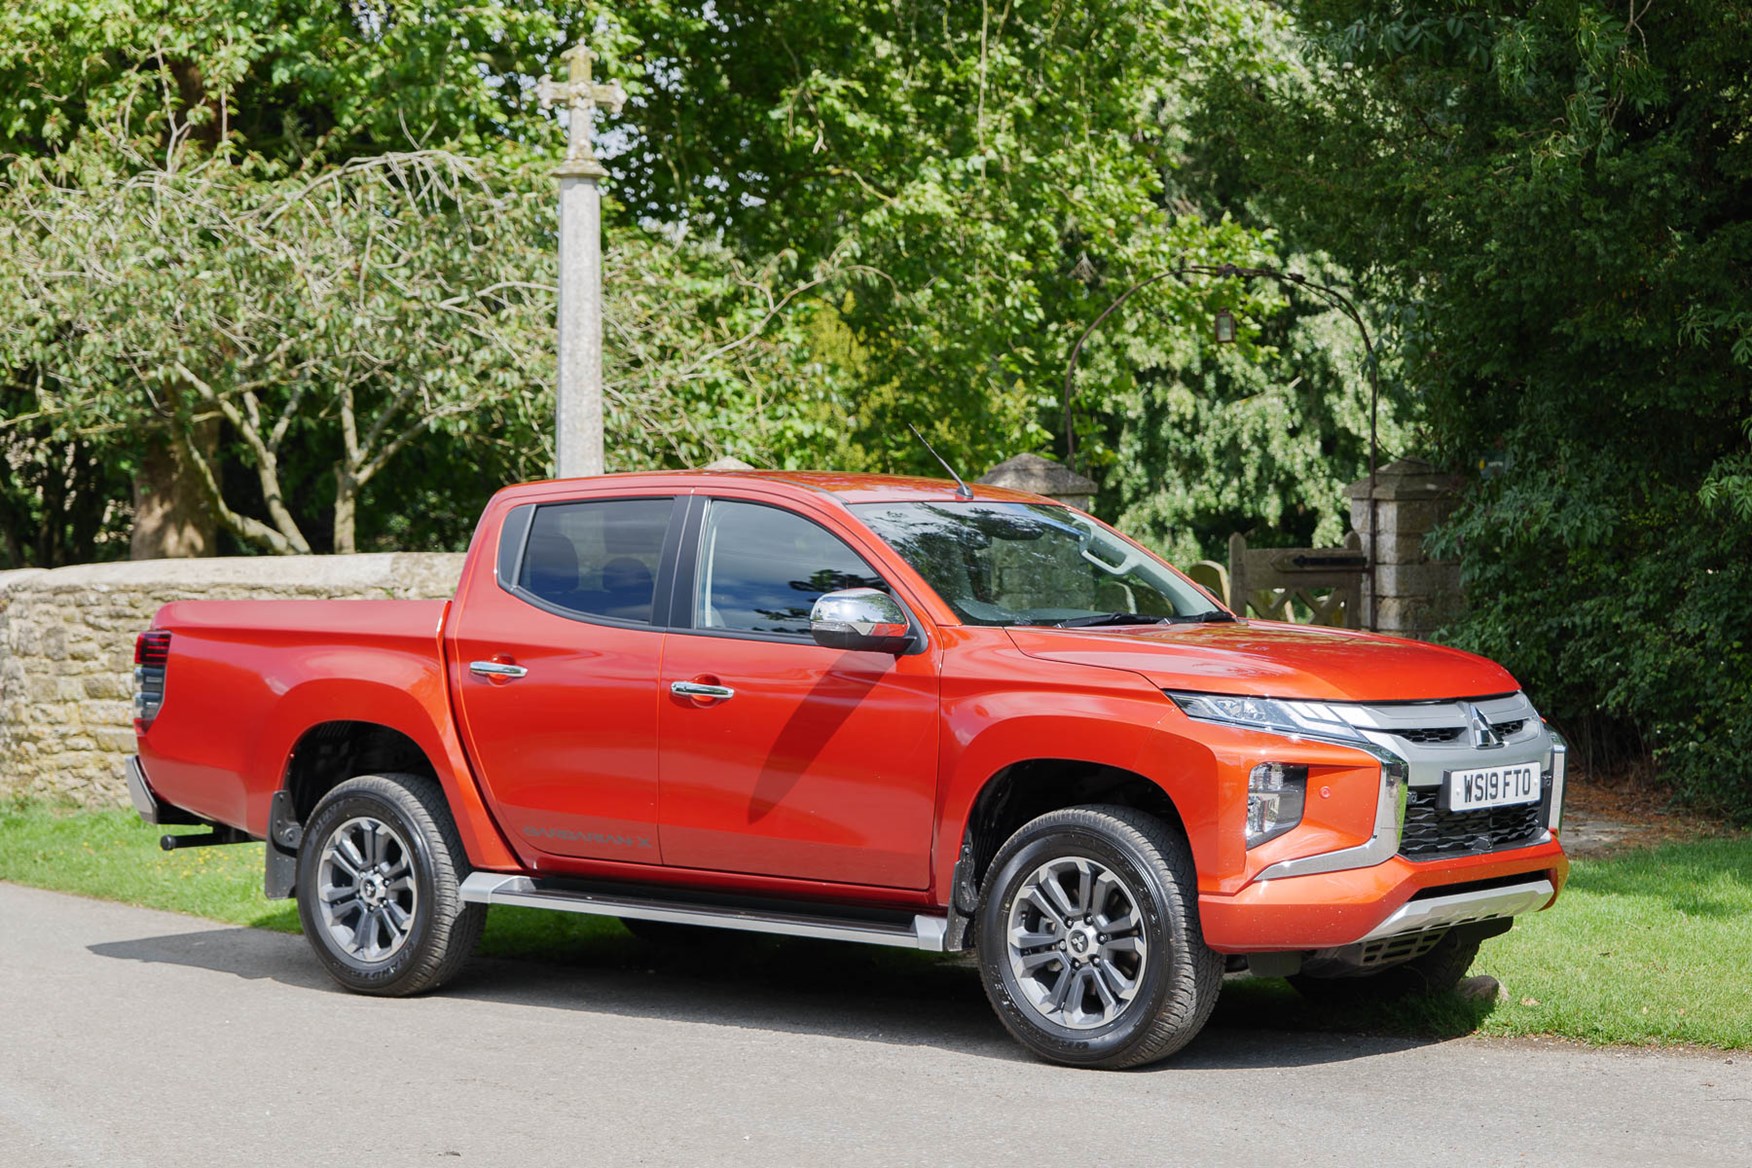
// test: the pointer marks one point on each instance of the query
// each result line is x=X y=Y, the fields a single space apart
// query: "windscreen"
x=1033 y=564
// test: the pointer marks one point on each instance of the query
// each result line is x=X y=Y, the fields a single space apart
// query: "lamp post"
x=578 y=394
x=1225 y=333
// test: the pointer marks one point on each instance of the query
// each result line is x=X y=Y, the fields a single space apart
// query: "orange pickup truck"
x=882 y=710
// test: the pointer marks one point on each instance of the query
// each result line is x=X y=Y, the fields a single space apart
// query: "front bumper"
x=1421 y=868
x=1331 y=909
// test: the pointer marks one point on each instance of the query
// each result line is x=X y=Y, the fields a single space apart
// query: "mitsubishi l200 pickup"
x=885 y=710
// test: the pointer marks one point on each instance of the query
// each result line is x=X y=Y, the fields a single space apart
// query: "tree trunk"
x=171 y=518
x=346 y=509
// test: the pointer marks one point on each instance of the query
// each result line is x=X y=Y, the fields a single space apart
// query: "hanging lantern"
x=1225 y=323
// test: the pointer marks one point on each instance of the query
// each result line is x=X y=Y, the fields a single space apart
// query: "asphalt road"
x=136 y=1037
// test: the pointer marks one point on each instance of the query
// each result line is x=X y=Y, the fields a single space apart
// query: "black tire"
x=1174 y=985
x=428 y=935
x=1437 y=972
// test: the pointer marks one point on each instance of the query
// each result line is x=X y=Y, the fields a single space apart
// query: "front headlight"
x=1274 y=715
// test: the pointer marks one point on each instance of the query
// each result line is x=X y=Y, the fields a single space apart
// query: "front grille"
x=1427 y=735
x=1431 y=832
x=1424 y=735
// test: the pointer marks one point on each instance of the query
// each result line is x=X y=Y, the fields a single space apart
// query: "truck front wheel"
x=1089 y=942
x=379 y=875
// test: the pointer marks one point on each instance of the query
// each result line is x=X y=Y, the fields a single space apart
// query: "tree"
x=1003 y=171
x=300 y=84
x=329 y=319
x=283 y=79
x=1554 y=195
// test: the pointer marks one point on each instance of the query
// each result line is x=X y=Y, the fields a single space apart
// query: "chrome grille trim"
x=1431 y=833
x=1410 y=738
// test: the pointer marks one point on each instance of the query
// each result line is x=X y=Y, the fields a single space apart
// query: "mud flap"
x=284 y=835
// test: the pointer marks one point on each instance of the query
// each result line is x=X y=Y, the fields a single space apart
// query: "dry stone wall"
x=67 y=650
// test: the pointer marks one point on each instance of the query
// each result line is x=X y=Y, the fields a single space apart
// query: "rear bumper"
x=146 y=802
x=1332 y=909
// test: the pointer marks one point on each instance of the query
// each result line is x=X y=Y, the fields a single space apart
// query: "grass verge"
x=1646 y=947
x=111 y=855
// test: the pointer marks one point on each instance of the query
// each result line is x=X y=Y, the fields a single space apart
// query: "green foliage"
x=351 y=309
x=984 y=163
x=1260 y=438
x=1555 y=194
x=1001 y=173
x=281 y=78
x=329 y=317
x=872 y=214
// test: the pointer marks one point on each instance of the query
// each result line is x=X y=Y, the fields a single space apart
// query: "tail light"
x=151 y=659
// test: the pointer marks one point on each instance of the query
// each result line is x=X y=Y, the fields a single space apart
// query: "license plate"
x=1503 y=786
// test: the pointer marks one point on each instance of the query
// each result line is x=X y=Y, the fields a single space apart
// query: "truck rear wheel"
x=1089 y=942
x=379 y=876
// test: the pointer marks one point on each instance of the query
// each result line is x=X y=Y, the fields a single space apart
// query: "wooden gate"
x=1313 y=586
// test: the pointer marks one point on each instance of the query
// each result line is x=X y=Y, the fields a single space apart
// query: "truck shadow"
x=800 y=986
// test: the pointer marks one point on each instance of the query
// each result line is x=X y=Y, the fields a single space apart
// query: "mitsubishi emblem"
x=1483 y=737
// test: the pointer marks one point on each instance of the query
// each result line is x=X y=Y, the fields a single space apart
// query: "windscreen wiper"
x=1093 y=620
x=1109 y=618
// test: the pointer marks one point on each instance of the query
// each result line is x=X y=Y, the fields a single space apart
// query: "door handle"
x=694 y=689
x=495 y=669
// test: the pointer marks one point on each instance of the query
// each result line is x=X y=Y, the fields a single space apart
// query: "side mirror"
x=861 y=619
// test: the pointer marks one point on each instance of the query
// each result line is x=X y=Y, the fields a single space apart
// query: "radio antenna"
x=962 y=490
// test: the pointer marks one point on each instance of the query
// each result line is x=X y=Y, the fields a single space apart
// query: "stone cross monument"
x=578 y=400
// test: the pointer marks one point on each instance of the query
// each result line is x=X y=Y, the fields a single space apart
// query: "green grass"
x=1653 y=945
x=1647 y=947
x=112 y=855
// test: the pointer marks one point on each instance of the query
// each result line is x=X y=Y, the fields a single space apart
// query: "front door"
x=821 y=763
x=555 y=668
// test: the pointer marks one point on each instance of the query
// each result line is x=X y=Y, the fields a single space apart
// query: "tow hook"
x=219 y=835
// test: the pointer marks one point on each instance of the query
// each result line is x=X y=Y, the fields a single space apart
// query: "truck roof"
x=844 y=486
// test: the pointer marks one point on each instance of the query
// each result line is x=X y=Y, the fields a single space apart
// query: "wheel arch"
x=329 y=753
x=327 y=730
x=1030 y=788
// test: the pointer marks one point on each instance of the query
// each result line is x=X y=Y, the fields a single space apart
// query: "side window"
x=596 y=558
x=762 y=568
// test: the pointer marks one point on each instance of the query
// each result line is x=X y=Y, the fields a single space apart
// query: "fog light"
x=1275 y=794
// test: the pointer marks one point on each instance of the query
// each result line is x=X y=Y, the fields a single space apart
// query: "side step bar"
x=925 y=932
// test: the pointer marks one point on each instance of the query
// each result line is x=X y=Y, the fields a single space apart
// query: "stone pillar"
x=1042 y=476
x=1411 y=595
x=578 y=395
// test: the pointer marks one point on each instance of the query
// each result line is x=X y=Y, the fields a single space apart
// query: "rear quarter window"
x=595 y=558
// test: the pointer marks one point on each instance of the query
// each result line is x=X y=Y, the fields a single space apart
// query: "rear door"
x=821 y=764
x=555 y=661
